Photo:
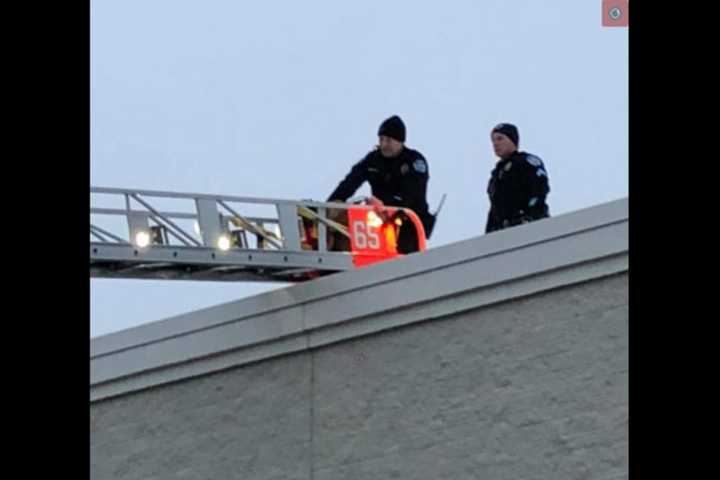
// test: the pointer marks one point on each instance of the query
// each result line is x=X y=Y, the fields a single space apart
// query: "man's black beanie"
x=509 y=130
x=393 y=127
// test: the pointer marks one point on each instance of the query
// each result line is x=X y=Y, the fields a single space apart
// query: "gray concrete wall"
x=535 y=387
x=440 y=282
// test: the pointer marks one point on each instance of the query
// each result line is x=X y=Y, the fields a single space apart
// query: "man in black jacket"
x=518 y=184
x=398 y=177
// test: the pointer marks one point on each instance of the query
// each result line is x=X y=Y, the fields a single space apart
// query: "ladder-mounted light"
x=224 y=242
x=142 y=238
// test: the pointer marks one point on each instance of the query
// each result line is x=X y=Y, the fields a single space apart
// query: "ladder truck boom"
x=134 y=234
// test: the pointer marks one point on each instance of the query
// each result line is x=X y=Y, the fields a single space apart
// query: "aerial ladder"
x=143 y=234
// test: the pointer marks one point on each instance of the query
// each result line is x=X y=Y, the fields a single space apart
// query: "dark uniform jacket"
x=517 y=188
x=399 y=181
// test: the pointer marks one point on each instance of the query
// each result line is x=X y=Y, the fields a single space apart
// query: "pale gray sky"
x=279 y=99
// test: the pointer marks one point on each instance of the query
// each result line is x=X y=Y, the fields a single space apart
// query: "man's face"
x=389 y=147
x=503 y=146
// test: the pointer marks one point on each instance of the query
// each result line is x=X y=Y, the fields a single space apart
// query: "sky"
x=279 y=99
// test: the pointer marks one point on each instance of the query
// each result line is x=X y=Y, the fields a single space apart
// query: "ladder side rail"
x=225 y=198
x=178 y=215
x=134 y=213
x=97 y=235
x=339 y=227
x=192 y=196
x=250 y=226
x=209 y=221
x=289 y=226
x=322 y=230
x=118 y=211
x=169 y=222
x=98 y=230
x=170 y=231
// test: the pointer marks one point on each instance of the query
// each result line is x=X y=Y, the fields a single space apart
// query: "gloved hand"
x=375 y=202
x=520 y=219
x=526 y=219
x=378 y=208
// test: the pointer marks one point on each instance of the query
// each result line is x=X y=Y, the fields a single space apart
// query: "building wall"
x=531 y=388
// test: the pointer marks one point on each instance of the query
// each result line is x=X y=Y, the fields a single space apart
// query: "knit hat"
x=393 y=127
x=509 y=130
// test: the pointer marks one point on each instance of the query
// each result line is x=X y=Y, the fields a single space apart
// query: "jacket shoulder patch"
x=533 y=160
x=420 y=166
